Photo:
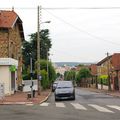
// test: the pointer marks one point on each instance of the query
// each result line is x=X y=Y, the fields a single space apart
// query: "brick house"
x=110 y=66
x=11 y=38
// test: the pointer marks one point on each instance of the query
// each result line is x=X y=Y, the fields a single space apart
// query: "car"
x=54 y=85
x=64 y=90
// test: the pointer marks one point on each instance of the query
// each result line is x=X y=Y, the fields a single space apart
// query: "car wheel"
x=56 y=99
x=73 y=97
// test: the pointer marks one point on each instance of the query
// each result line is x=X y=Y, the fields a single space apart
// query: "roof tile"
x=7 y=18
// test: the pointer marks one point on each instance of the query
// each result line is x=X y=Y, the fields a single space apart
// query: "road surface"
x=87 y=106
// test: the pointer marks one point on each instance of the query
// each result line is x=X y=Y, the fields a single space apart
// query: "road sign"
x=40 y=77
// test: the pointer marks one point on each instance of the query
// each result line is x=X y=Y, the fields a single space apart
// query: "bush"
x=44 y=81
x=103 y=79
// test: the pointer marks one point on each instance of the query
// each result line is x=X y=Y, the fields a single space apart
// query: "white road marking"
x=78 y=106
x=99 y=108
x=29 y=104
x=60 y=105
x=44 y=104
x=114 y=106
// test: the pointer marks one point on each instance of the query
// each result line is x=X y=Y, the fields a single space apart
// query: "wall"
x=5 y=78
x=10 y=46
x=3 y=43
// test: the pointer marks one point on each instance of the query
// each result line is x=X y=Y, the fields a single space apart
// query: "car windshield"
x=64 y=85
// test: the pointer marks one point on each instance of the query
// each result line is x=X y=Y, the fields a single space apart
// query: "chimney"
x=12 y=8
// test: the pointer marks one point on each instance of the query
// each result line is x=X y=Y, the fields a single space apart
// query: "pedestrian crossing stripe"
x=60 y=105
x=99 y=108
x=114 y=106
x=44 y=104
x=78 y=106
x=29 y=104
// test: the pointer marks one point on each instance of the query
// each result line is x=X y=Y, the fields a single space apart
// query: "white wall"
x=5 y=77
x=105 y=87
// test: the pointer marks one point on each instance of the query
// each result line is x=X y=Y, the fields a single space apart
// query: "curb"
x=15 y=103
x=45 y=98
x=105 y=92
x=24 y=103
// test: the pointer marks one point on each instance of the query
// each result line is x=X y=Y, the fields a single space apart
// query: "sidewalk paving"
x=112 y=93
x=21 y=98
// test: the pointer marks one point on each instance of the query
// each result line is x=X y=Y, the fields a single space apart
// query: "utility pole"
x=38 y=50
x=47 y=67
x=31 y=74
x=108 y=72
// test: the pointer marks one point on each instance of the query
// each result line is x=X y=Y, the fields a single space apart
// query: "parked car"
x=54 y=85
x=64 y=90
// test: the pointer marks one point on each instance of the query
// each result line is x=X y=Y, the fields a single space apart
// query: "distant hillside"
x=70 y=63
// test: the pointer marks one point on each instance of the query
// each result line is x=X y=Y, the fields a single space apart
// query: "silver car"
x=64 y=90
x=54 y=85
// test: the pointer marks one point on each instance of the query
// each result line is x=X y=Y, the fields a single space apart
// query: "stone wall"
x=10 y=46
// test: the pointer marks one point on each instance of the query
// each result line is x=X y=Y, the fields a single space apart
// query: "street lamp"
x=38 y=51
x=45 y=22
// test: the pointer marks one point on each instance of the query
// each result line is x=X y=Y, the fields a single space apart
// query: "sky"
x=77 y=35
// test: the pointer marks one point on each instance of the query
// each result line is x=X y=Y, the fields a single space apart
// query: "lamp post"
x=38 y=48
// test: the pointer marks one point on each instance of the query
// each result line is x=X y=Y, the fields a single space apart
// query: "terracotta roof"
x=103 y=60
x=8 y=20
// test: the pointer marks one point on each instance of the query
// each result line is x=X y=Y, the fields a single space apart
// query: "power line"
x=70 y=8
x=83 y=31
x=59 y=8
x=77 y=8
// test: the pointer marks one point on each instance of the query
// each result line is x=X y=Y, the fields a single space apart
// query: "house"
x=108 y=71
x=93 y=70
x=11 y=38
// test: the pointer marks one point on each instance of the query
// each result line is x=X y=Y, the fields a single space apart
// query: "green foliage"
x=30 y=49
x=58 y=75
x=12 y=68
x=44 y=81
x=70 y=75
x=103 y=79
x=47 y=76
x=83 y=73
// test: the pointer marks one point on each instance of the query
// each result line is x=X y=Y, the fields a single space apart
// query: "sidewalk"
x=112 y=93
x=21 y=98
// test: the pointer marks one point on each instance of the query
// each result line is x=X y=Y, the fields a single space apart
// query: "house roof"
x=103 y=60
x=8 y=20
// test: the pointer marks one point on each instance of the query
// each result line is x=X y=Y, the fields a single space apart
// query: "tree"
x=46 y=82
x=70 y=75
x=82 y=75
x=29 y=49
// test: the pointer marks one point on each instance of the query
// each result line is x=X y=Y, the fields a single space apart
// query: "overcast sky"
x=78 y=35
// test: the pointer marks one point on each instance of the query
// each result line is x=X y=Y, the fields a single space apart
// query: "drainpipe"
x=8 y=44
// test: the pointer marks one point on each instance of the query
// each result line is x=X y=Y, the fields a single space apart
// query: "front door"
x=12 y=80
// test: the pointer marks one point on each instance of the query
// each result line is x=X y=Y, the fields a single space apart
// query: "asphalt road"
x=87 y=106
